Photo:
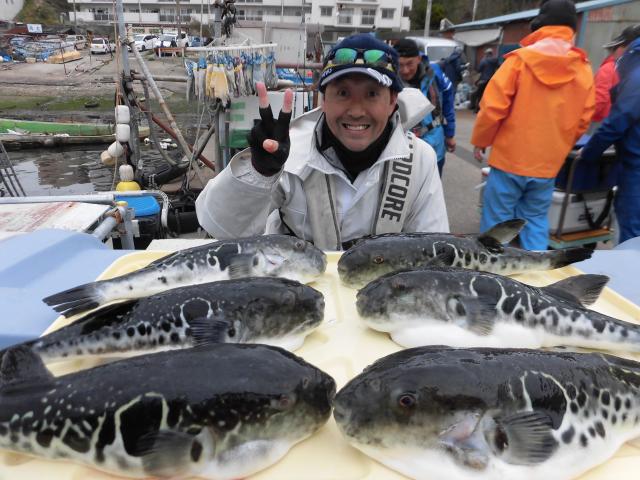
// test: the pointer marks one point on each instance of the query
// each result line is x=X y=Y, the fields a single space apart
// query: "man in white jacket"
x=337 y=173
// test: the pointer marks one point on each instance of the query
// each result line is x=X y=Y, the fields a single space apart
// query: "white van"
x=435 y=47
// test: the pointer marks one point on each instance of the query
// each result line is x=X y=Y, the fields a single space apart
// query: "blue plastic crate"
x=143 y=206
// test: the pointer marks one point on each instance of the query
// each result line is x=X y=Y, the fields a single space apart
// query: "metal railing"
x=119 y=214
x=8 y=176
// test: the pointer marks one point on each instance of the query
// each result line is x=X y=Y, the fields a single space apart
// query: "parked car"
x=166 y=40
x=79 y=41
x=184 y=40
x=144 y=41
x=435 y=47
x=102 y=45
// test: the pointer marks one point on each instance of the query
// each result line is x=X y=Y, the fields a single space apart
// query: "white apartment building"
x=341 y=15
x=10 y=8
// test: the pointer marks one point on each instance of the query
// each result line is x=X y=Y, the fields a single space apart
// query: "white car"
x=435 y=47
x=166 y=40
x=144 y=41
x=79 y=41
x=102 y=45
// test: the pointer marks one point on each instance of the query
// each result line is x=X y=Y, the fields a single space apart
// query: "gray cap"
x=627 y=36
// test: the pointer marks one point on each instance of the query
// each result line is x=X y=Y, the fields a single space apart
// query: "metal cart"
x=598 y=191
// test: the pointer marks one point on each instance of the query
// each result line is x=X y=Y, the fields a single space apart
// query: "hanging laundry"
x=190 y=66
x=270 y=76
x=231 y=79
x=258 y=68
x=248 y=74
x=219 y=84
x=239 y=77
x=225 y=72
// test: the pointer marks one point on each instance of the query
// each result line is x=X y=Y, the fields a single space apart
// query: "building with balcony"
x=10 y=8
x=344 y=16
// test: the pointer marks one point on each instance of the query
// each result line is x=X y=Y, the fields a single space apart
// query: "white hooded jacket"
x=241 y=202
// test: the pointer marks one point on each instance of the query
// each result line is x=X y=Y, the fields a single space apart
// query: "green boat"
x=24 y=134
x=52 y=128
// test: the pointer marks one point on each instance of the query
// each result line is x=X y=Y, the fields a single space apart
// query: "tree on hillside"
x=459 y=11
x=418 y=14
x=43 y=11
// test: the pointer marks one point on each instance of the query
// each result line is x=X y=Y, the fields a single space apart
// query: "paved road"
x=460 y=177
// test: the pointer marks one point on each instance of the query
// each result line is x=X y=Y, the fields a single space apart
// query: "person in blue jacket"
x=622 y=128
x=438 y=128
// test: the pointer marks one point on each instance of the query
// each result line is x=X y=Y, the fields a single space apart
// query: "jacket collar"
x=630 y=59
x=304 y=155
x=556 y=32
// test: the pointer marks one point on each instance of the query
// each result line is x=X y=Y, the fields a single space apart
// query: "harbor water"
x=71 y=171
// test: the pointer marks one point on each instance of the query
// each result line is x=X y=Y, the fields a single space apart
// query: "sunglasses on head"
x=373 y=57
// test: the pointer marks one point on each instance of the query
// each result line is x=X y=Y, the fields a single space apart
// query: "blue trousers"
x=628 y=215
x=508 y=196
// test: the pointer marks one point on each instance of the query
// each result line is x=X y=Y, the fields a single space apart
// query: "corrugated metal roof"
x=477 y=37
x=580 y=7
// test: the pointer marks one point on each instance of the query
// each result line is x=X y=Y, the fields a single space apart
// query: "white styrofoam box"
x=575 y=219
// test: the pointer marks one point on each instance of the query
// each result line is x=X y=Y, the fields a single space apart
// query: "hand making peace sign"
x=269 y=138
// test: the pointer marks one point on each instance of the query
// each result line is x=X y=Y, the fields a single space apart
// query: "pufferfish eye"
x=500 y=439
x=299 y=245
x=378 y=259
x=406 y=401
x=283 y=402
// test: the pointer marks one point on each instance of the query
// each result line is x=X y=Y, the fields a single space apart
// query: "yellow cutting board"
x=342 y=347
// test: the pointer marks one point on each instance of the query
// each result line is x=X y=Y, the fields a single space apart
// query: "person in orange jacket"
x=539 y=102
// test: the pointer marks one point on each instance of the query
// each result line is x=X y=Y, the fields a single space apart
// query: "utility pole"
x=75 y=18
x=178 y=13
x=475 y=8
x=201 y=12
x=122 y=37
x=427 y=20
x=140 y=12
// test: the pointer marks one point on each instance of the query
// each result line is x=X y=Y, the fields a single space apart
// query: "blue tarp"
x=38 y=264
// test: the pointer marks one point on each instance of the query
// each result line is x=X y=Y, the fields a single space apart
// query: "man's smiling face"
x=357 y=109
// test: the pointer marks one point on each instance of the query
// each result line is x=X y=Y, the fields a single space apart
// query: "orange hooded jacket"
x=536 y=105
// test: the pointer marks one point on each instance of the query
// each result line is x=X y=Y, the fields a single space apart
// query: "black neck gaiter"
x=417 y=78
x=355 y=162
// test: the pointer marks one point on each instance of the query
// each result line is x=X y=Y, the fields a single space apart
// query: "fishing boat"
x=50 y=128
x=19 y=134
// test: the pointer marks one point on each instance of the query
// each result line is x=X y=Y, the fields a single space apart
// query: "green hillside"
x=43 y=11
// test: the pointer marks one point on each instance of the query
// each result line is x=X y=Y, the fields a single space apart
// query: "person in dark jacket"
x=622 y=128
x=452 y=67
x=488 y=66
